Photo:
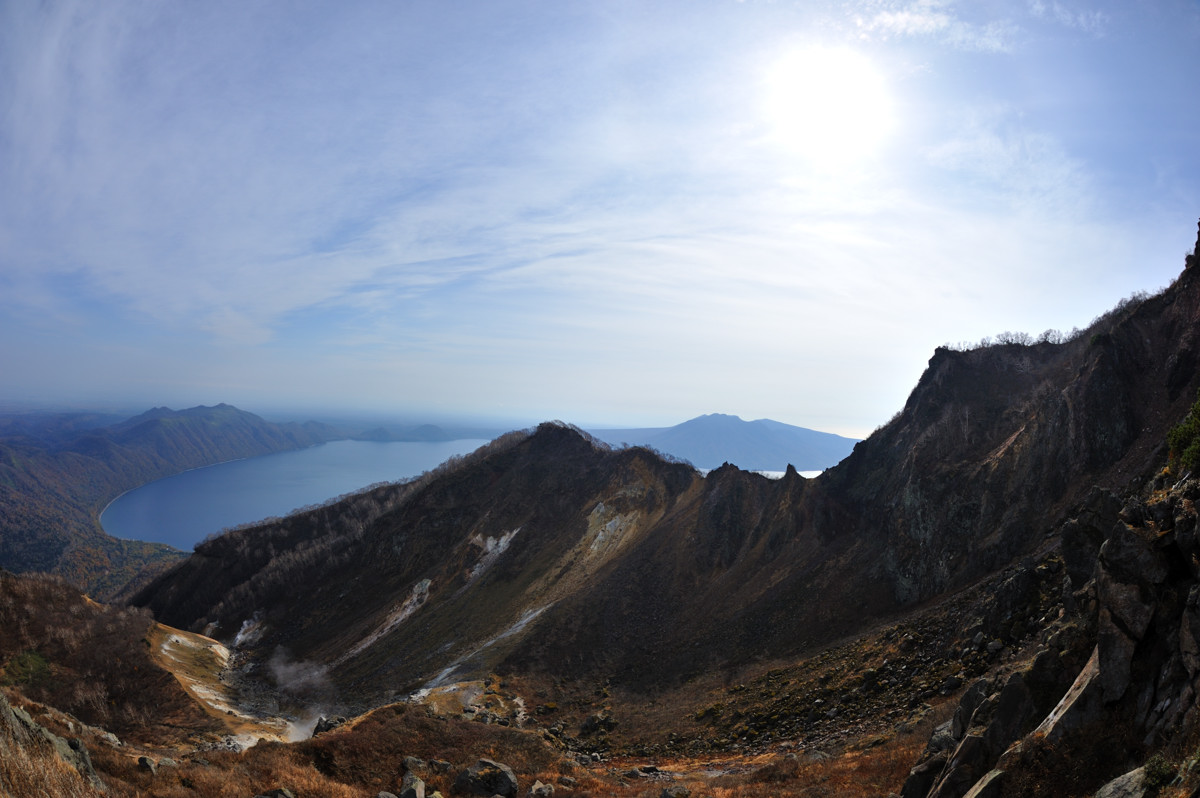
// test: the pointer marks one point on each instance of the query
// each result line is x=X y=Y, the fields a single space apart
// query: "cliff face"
x=995 y=444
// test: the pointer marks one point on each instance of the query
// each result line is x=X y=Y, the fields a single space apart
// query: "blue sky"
x=600 y=211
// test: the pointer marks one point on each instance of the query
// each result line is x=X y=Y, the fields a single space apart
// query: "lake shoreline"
x=183 y=509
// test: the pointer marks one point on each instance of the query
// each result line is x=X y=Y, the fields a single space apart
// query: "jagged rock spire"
x=1194 y=256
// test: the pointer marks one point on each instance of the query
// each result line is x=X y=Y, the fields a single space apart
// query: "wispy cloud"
x=939 y=20
x=557 y=200
x=1027 y=170
x=1091 y=21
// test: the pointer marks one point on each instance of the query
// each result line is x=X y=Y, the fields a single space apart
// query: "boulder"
x=325 y=724
x=921 y=778
x=540 y=790
x=1130 y=558
x=487 y=778
x=943 y=737
x=600 y=721
x=412 y=786
x=1079 y=707
x=972 y=697
x=971 y=760
x=1013 y=712
x=1131 y=785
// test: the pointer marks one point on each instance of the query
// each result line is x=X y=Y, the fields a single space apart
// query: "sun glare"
x=830 y=105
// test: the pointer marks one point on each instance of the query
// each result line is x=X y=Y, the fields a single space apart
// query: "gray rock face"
x=969 y=762
x=487 y=778
x=990 y=717
x=1131 y=785
x=1130 y=558
x=540 y=790
x=1144 y=672
x=1082 y=536
x=1129 y=571
x=972 y=697
x=1079 y=707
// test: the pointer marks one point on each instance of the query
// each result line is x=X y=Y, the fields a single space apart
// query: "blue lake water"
x=184 y=509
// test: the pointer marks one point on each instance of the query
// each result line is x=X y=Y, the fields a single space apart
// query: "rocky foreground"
x=1072 y=673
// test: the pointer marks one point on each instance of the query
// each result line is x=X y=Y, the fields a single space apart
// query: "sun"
x=830 y=105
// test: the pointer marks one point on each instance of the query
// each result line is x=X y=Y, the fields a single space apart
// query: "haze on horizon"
x=602 y=211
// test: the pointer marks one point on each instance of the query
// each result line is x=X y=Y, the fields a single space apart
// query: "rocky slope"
x=549 y=554
x=1108 y=693
x=996 y=594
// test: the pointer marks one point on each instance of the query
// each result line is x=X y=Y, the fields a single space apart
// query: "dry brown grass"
x=62 y=649
x=30 y=769
x=370 y=752
x=226 y=775
x=871 y=772
x=367 y=755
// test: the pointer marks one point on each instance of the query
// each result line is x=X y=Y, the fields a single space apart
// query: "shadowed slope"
x=548 y=553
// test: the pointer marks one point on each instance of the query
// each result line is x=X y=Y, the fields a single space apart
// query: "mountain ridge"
x=988 y=455
x=995 y=594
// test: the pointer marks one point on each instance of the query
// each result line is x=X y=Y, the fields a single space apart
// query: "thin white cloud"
x=1026 y=170
x=939 y=20
x=1091 y=21
x=574 y=204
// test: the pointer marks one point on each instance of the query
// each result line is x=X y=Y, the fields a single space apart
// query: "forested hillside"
x=57 y=472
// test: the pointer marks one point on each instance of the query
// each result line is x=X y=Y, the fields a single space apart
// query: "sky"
x=601 y=211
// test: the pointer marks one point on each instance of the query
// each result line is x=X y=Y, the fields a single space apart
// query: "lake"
x=182 y=510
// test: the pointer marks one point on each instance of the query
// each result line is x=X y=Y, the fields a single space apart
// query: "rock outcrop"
x=1135 y=695
x=34 y=760
x=487 y=778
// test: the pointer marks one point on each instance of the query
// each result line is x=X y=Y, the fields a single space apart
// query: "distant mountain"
x=58 y=471
x=425 y=433
x=763 y=445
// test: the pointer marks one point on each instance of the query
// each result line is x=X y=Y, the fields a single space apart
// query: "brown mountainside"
x=548 y=553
